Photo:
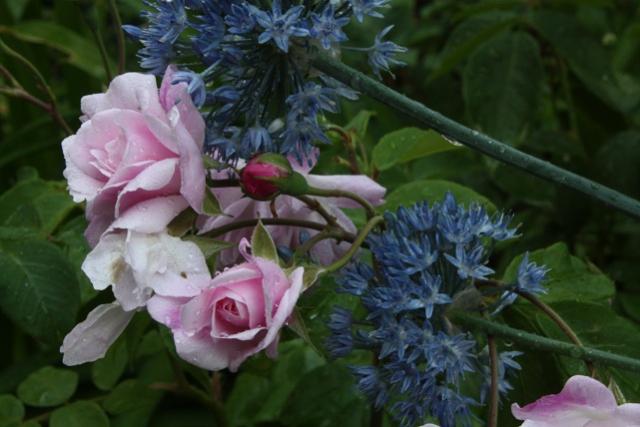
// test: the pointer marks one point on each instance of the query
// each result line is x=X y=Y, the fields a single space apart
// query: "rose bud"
x=261 y=177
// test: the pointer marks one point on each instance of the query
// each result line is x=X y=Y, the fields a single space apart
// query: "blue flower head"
x=425 y=256
x=247 y=64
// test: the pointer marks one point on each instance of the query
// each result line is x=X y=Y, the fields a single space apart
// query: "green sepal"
x=262 y=244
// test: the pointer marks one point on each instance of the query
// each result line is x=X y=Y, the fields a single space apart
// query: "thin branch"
x=371 y=212
x=216 y=232
x=348 y=144
x=102 y=49
x=548 y=311
x=54 y=111
x=122 y=52
x=494 y=398
x=559 y=321
x=20 y=93
x=537 y=342
x=474 y=139
x=315 y=205
x=323 y=235
x=344 y=260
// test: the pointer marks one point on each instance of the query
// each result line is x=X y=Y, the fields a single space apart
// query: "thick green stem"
x=344 y=260
x=473 y=139
x=537 y=342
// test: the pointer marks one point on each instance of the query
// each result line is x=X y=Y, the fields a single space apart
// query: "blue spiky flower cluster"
x=247 y=65
x=425 y=261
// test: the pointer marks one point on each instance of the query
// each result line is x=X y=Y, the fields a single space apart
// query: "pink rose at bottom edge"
x=583 y=402
x=238 y=315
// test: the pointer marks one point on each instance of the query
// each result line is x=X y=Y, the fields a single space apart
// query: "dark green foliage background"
x=557 y=78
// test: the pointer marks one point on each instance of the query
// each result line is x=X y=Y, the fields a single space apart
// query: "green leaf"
x=107 y=371
x=45 y=203
x=408 y=144
x=209 y=246
x=17 y=7
x=247 y=398
x=48 y=386
x=617 y=162
x=260 y=392
x=79 y=414
x=470 y=34
x=262 y=244
x=586 y=56
x=598 y=326
x=433 y=191
x=325 y=397
x=360 y=123
x=130 y=396
x=502 y=83
x=210 y=205
x=70 y=237
x=570 y=278
x=183 y=223
x=79 y=51
x=11 y=411
x=38 y=289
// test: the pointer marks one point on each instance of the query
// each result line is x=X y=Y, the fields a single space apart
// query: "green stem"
x=223 y=183
x=537 y=342
x=122 y=53
x=559 y=321
x=323 y=235
x=321 y=192
x=471 y=138
x=272 y=221
x=102 y=49
x=53 y=107
x=494 y=398
x=359 y=240
x=315 y=205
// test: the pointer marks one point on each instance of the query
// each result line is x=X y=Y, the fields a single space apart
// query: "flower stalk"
x=537 y=342
x=474 y=139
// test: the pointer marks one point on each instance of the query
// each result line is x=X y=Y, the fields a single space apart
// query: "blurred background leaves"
x=557 y=78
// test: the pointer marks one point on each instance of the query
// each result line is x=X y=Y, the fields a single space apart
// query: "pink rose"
x=238 y=208
x=583 y=402
x=238 y=315
x=137 y=151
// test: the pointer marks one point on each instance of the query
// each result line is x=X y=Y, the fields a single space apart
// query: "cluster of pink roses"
x=137 y=163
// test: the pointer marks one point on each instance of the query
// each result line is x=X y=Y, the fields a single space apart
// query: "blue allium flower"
x=382 y=53
x=470 y=263
x=327 y=27
x=425 y=258
x=530 y=278
x=279 y=26
x=367 y=7
x=507 y=367
x=165 y=26
x=247 y=64
x=196 y=86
